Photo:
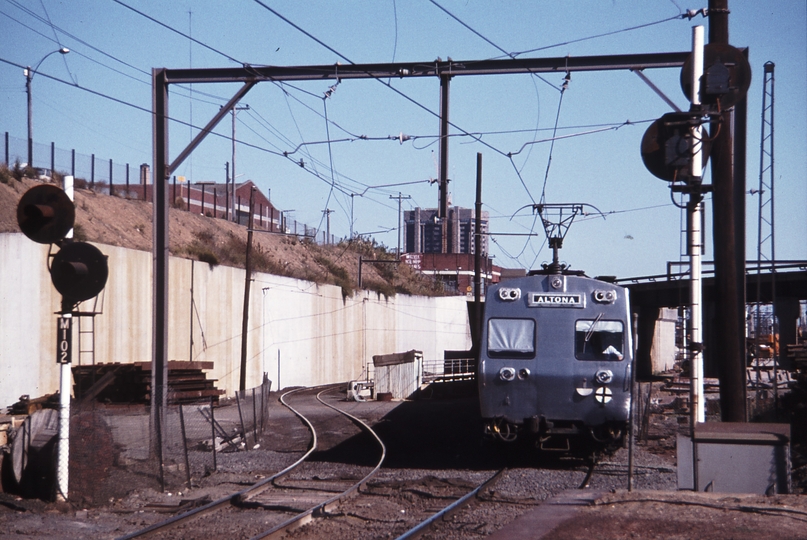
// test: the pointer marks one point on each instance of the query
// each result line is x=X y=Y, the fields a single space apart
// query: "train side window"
x=511 y=338
x=598 y=340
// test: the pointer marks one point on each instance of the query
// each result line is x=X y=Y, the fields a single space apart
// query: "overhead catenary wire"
x=280 y=153
x=408 y=98
x=336 y=177
x=145 y=81
x=178 y=32
x=597 y=36
x=506 y=53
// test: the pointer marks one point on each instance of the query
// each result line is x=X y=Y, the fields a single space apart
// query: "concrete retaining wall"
x=300 y=333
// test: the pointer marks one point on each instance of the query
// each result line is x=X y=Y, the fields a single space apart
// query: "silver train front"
x=556 y=359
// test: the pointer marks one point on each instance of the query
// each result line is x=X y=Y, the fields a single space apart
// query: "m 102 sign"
x=64 y=336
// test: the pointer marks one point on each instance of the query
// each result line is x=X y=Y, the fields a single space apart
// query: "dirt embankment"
x=125 y=222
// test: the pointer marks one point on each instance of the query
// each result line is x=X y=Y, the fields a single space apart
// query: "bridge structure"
x=781 y=284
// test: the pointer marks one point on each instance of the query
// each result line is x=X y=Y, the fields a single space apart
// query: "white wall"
x=319 y=336
x=663 y=350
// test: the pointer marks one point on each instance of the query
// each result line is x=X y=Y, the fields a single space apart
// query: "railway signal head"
x=45 y=214
x=726 y=76
x=667 y=146
x=79 y=271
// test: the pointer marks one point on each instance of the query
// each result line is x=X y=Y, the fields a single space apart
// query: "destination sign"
x=556 y=300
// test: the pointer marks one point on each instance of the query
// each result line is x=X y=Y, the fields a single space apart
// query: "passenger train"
x=556 y=360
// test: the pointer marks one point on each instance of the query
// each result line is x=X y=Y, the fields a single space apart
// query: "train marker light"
x=604 y=376
x=605 y=297
x=507 y=374
x=509 y=295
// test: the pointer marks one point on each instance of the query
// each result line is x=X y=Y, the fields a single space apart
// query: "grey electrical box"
x=735 y=458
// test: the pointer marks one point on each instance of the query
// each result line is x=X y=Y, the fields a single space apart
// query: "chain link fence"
x=123 y=180
x=112 y=452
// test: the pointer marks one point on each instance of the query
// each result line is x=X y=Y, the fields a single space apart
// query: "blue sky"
x=113 y=50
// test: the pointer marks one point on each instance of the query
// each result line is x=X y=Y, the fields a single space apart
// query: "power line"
x=340 y=55
x=186 y=36
x=41 y=3
x=596 y=36
x=102 y=52
x=511 y=55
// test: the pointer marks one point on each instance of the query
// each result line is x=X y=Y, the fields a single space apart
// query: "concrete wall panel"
x=300 y=333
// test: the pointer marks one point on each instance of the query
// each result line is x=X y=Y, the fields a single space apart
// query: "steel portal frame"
x=250 y=75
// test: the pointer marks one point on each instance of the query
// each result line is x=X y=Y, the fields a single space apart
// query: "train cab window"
x=511 y=338
x=599 y=340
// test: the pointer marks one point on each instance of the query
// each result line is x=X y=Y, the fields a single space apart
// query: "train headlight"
x=605 y=297
x=507 y=374
x=604 y=376
x=509 y=295
x=523 y=373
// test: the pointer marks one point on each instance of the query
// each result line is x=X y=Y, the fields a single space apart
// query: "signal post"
x=79 y=271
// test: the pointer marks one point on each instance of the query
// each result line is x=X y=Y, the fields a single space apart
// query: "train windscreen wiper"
x=591 y=328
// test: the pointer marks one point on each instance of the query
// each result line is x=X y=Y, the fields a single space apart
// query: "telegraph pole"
x=232 y=184
x=400 y=198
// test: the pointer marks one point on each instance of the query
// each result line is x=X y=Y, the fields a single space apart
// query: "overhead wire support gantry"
x=250 y=75
x=766 y=252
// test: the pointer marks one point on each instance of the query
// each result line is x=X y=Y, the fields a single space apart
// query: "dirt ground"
x=685 y=515
x=617 y=515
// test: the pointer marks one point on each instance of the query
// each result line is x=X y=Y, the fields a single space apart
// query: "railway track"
x=338 y=489
x=483 y=509
x=291 y=497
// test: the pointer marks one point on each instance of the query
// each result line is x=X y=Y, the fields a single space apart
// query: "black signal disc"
x=45 y=214
x=79 y=271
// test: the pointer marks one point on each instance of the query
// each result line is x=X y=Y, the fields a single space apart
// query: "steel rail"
x=416 y=531
x=229 y=499
x=322 y=508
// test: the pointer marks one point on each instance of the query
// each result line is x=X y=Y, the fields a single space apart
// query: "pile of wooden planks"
x=131 y=383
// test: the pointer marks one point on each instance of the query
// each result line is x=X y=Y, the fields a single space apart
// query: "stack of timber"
x=131 y=383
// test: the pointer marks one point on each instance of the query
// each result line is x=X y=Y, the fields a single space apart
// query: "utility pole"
x=400 y=198
x=729 y=244
x=443 y=209
x=245 y=319
x=478 y=259
x=232 y=184
x=227 y=191
x=327 y=213
x=351 y=215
